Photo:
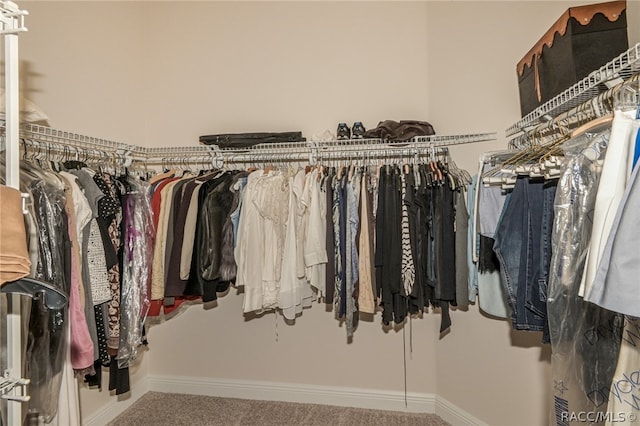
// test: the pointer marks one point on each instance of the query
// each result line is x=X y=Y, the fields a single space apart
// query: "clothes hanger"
x=595 y=123
x=443 y=167
x=23 y=144
x=53 y=298
x=498 y=173
x=29 y=159
x=43 y=156
x=452 y=173
x=627 y=96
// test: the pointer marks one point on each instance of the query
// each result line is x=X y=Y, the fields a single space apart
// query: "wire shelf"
x=267 y=147
x=617 y=70
x=434 y=140
x=183 y=151
x=271 y=157
x=49 y=134
x=449 y=140
x=310 y=151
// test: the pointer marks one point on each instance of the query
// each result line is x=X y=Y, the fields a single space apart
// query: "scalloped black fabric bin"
x=583 y=48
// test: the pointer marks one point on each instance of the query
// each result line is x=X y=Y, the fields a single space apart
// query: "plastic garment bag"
x=46 y=352
x=137 y=259
x=53 y=237
x=585 y=338
x=46 y=334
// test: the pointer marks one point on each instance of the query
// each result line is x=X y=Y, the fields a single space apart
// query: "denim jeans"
x=518 y=251
x=541 y=226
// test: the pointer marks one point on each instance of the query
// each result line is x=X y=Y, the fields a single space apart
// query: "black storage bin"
x=581 y=41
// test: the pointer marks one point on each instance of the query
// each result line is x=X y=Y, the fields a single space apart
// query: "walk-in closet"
x=379 y=205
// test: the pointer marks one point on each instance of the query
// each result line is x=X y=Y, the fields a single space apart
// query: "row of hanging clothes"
x=558 y=227
x=115 y=246
x=82 y=223
x=360 y=235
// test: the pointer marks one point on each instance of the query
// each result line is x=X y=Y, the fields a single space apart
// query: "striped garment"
x=408 y=269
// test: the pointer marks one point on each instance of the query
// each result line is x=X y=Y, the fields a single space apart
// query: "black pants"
x=389 y=246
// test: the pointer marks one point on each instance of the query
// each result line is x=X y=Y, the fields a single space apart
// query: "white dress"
x=272 y=200
x=248 y=253
x=315 y=244
x=295 y=292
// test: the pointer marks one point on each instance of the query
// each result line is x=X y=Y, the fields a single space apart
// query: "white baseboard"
x=455 y=415
x=328 y=395
x=117 y=405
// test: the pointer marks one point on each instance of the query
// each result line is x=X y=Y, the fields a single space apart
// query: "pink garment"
x=81 y=343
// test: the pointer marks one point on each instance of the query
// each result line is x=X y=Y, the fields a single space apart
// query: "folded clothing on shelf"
x=14 y=255
x=400 y=131
x=244 y=140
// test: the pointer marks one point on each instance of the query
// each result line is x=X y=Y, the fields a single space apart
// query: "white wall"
x=633 y=17
x=80 y=62
x=278 y=66
x=163 y=73
x=473 y=51
x=273 y=67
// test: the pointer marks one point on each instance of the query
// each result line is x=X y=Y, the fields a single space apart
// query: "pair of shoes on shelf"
x=356 y=132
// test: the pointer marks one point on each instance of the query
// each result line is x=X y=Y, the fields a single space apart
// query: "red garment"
x=156 y=307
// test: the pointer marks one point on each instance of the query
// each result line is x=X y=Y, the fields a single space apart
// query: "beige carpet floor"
x=155 y=408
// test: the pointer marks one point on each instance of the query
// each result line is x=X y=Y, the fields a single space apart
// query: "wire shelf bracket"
x=11 y=18
x=13 y=389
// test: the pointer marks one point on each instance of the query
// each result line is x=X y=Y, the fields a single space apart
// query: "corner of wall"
x=98 y=408
x=633 y=17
